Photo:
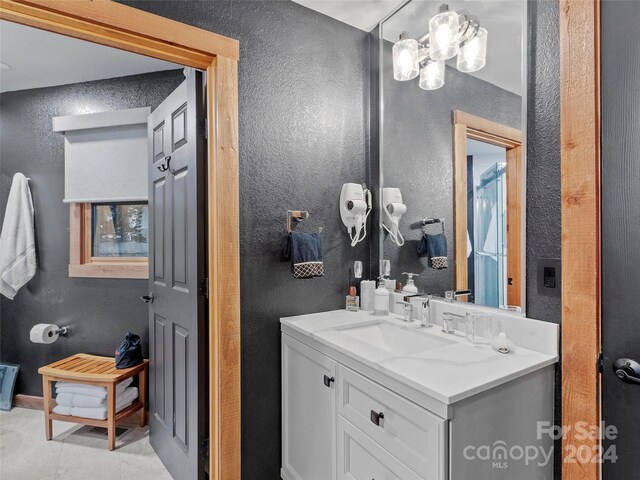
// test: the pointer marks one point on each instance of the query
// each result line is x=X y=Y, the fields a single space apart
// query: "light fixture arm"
x=469 y=27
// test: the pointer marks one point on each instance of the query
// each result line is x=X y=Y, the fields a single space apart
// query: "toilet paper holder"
x=62 y=330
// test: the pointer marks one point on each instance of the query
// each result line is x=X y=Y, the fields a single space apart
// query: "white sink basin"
x=394 y=339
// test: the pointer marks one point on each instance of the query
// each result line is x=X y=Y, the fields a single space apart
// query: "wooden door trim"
x=467 y=126
x=130 y=29
x=581 y=223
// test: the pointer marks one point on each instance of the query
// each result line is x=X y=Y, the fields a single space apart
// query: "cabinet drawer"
x=410 y=433
x=360 y=458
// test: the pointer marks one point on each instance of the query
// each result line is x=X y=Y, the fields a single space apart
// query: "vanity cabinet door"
x=308 y=413
x=360 y=458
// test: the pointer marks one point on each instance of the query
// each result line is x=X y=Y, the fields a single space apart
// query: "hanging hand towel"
x=305 y=252
x=436 y=247
x=17 y=240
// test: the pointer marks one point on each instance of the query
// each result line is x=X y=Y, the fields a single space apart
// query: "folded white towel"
x=86 y=412
x=99 y=413
x=17 y=240
x=80 y=400
x=90 y=390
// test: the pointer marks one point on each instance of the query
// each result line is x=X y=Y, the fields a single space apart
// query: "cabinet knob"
x=376 y=417
x=328 y=380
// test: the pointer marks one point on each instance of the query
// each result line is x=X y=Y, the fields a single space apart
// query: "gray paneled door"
x=177 y=323
x=620 y=238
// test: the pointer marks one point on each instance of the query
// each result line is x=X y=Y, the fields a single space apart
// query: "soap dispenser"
x=381 y=299
x=410 y=287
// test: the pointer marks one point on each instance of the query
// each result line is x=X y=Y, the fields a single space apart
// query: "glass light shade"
x=405 y=59
x=473 y=56
x=443 y=36
x=432 y=75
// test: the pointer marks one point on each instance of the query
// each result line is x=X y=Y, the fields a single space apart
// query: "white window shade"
x=105 y=156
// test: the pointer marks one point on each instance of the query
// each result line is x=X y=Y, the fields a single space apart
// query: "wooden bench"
x=93 y=370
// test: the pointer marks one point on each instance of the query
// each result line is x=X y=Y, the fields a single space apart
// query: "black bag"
x=129 y=353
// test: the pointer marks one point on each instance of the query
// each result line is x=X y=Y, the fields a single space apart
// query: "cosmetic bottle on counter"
x=353 y=301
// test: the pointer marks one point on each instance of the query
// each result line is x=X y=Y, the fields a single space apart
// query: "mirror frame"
x=126 y=28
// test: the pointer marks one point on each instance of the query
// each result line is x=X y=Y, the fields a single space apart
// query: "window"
x=109 y=240
x=119 y=230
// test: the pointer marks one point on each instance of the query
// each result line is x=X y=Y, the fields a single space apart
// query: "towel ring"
x=431 y=221
x=297 y=216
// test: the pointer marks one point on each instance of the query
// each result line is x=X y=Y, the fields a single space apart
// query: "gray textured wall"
x=543 y=152
x=99 y=311
x=418 y=157
x=303 y=80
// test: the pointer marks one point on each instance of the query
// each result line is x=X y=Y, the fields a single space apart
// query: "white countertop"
x=448 y=373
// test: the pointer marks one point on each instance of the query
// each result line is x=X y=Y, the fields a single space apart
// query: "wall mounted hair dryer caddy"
x=355 y=207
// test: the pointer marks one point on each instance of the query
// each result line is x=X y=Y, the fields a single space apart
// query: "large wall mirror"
x=452 y=91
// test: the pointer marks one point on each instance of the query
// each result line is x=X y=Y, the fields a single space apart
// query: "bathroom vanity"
x=366 y=397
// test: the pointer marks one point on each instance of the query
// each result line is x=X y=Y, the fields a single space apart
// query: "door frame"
x=126 y=28
x=467 y=126
x=581 y=226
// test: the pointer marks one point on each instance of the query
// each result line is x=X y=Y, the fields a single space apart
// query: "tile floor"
x=73 y=453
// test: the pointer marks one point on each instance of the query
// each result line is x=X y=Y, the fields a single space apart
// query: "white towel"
x=90 y=390
x=99 y=413
x=95 y=413
x=79 y=400
x=17 y=240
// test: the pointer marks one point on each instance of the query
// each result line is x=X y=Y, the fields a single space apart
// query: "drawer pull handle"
x=328 y=380
x=376 y=417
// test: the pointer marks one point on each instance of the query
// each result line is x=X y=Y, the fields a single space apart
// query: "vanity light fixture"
x=450 y=34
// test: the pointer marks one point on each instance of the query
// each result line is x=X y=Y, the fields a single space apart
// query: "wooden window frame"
x=83 y=264
x=120 y=26
x=467 y=126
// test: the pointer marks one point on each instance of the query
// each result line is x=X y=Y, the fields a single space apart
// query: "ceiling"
x=36 y=58
x=503 y=20
x=362 y=14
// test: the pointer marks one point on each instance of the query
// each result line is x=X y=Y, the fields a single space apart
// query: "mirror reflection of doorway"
x=489 y=188
x=487 y=223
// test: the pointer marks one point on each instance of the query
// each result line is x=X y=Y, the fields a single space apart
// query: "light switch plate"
x=549 y=276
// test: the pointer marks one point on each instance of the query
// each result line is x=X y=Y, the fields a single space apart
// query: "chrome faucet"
x=451 y=295
x=408 y=311
x=448 y=320
x=426 y=312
